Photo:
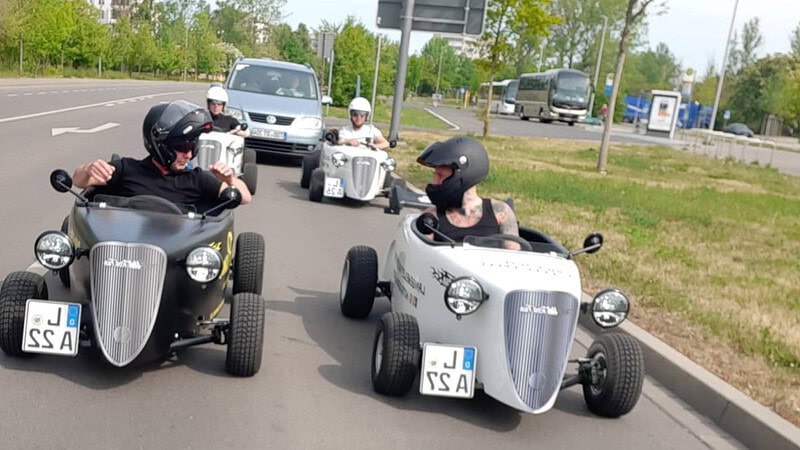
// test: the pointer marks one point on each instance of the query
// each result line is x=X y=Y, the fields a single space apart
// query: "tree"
x=794 y=42
x=503 y=16
x=751 y=41
x=354 y=54
x=759 y=89
x=634 y=14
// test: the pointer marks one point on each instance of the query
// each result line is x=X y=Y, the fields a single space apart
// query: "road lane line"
x=76 y=108
x=453 y=126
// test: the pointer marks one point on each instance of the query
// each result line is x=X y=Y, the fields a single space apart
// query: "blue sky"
x=695 y=30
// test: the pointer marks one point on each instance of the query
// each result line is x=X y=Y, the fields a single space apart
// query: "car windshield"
x=273 y=81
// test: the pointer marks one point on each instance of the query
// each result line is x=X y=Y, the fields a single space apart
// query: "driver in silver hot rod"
x=170 y=132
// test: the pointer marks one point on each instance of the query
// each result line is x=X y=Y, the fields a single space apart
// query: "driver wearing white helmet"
x=216 y=99
x=359 y=131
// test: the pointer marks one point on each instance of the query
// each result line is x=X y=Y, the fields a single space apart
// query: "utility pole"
x=724 y=69
x=330 y=81
x=402 y=65
x=597 y=66
x=541 y=55
x=439 y=76
x=375 y=79
x=185 y=47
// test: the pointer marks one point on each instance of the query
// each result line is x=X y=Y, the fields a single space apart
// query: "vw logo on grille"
x=271 y=119
x=122 y=335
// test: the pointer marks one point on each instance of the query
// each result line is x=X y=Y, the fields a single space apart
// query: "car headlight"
x=203 y=264
x=307 y=122
x=338 y=159
x=389 y=164
x=464 y=296
x=235 y=113
x=610 y=308
x=54 y=250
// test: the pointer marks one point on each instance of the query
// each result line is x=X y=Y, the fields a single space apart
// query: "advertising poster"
x=662 y=113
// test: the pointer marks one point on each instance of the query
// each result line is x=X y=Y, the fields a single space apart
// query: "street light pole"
x=597 y=66
x=439 y=76
x=724 y=69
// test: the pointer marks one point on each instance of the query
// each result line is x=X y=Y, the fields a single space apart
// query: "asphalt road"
x=313 y=390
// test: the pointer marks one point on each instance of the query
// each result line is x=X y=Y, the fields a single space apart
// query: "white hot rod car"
x=338 y=171
x=479 y=315
x=229 y=149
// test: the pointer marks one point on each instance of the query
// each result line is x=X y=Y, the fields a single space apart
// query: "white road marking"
x=105 y=126
x=76 y=108
x=453 y=126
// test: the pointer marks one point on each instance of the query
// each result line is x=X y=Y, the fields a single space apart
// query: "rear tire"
x=248 y=265
x=245 y=335
x=316 y=185
x=250 y=176
x=309 y=163
x=359 y=281
x=621 y=366
x=572 y=124
x=63 y=274
x=17 y=288
x=395 y=354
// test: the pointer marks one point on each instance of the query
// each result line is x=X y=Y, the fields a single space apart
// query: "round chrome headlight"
x=203 y=264
x=464 y=296
x=610 y=308
x=338 y=159
x=389 y=164
x=54 y=250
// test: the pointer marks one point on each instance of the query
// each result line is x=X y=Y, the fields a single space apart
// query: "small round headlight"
x=203 y=264
x=389 y=164
x=54 y=250
x=338 y=159
x=464 y=296
x=610 y=308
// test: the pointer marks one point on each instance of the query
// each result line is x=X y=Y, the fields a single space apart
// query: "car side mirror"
x=593 y=242
x=232 y=197
x=60 y=180
x=392 y=143
x=426 y=223
x=243 y=126
x=327 y=100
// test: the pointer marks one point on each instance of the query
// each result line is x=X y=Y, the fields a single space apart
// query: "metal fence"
x=715 y=144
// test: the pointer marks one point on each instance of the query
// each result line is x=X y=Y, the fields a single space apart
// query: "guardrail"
x=719 y=145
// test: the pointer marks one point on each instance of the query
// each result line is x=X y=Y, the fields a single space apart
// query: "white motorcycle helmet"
x=217 y=94
x=359 y=104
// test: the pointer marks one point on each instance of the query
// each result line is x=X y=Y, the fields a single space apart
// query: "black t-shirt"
x=225 y=123
x=133 y=177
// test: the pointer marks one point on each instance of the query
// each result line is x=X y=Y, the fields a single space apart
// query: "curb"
x=751 y=423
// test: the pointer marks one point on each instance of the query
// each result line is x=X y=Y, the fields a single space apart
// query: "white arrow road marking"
x=105 y=126
x=75 y=108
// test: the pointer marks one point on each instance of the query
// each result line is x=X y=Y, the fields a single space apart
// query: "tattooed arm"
x=507 y=221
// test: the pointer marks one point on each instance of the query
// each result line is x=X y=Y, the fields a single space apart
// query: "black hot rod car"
x=146 y=278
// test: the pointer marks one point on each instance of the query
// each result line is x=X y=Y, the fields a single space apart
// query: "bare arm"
x=95 y=173
x=507 y=221
x=381 y=143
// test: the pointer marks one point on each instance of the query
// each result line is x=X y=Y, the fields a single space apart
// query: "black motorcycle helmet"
x=470 y=164
x=173 y=125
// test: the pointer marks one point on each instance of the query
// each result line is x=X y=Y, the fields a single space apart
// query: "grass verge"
x=706 y=249
x=409 y=117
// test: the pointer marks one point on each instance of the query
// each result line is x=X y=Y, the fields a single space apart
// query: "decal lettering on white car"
x=543 y=310
x=442 y=276
x=538 y=269
x=412 y=282
x=122 y=263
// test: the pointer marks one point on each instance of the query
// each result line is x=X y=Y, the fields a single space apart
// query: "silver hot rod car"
x=147 y=278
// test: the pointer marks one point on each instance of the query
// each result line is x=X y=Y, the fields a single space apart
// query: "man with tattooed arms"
x=459 y=164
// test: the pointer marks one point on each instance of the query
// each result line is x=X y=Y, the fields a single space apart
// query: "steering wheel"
x=524 y=245
x=163 y=204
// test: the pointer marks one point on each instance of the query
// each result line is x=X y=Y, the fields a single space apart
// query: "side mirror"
x=426 y=223
x=60 y=180
x=243 y=126
x=232 y=197
x=327 y=100
x=593 y=242
x=392 y=143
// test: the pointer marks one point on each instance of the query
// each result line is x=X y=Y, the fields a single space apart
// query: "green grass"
x=707 y=249
x=409 y=117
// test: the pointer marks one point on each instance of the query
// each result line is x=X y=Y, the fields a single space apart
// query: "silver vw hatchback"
x=281 y=104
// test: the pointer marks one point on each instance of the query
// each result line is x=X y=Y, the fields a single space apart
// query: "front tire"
x=309 y=163
x=359 y=281
x=316 y=185
x=245 y=335
x=248 y=266
x=250 y=176
x=249 y=156
x=395 y=354
x=17 y=288
x=620 y=368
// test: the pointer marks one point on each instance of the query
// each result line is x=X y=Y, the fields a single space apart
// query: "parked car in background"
x=738 y=129
x=281 y=104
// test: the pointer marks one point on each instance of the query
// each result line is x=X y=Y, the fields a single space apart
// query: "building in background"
x=461 y=44
x=111 y=10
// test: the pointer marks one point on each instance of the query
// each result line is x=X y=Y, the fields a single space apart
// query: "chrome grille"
x=126 y=283
x=539 y=327
x=363 y=173
x=207 y=155
x=279 y=120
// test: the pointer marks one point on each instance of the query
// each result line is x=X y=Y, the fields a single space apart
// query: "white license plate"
x=448 y=370
x=334 y=187
x=272 y=134
x=51 y=327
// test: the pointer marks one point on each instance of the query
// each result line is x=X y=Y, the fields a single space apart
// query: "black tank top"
x=487 y=226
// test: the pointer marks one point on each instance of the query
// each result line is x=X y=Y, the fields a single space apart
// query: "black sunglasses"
x=358 y=114
x=181 y=146
x=214 y=102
